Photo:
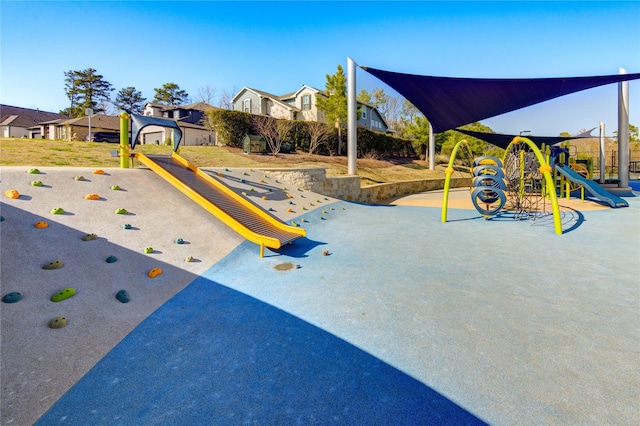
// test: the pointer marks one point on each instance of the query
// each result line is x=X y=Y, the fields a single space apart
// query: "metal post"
x=623 y=132
x=124 y=140
x=89 y=111
x=603 y=160
x=432 y=148
x=352 y=135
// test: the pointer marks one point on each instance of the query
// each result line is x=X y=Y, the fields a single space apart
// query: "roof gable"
x=25 y=117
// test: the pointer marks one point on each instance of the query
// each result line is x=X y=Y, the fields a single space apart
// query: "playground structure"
x=523 y=180
x=234 y=210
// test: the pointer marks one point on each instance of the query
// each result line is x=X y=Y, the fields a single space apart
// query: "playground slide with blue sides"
x=592 y=187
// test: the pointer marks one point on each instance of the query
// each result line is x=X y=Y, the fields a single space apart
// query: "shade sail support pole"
x=352 y=135
x=603 y=160
x=432 y=148
x=623 y=132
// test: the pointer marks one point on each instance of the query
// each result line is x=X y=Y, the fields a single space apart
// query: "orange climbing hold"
x=41 y=225
x=98 y=172
x=154 y=272
x=92 y=197
x=12 y=193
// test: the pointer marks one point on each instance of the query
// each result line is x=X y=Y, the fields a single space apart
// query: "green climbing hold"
x=112 y=259
x=123 y=296
x=304 y=208
x=179 y=241
x=36 y=183
x=89 y=237
x=58 y=322
x=115 y=187
x=57 y=210
x=56 y=264
x=251 y=190
x=79 y=178
x=63 y=294
x=33 y=171
x=148 y=250
x=126 y=226
x=12 y=297
x=121 y=211
x=294 y=223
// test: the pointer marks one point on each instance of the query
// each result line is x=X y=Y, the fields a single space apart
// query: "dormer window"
x=246 y=107
x=306 y=103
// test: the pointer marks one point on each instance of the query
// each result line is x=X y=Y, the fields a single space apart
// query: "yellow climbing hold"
x=264 y=197
x=57 y=322
x=56 y=264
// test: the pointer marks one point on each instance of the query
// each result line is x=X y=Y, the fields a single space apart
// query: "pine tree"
x=334 y=105
x=170 y=94
x=86 y=89
x=130 y=100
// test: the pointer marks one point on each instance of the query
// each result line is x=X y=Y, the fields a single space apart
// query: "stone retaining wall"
x=348 y=187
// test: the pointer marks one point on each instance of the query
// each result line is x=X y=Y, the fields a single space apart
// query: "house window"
x=364 y=112
x=246 y=107
x=306 y=103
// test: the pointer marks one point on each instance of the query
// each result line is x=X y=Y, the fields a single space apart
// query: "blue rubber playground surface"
x=405 y=320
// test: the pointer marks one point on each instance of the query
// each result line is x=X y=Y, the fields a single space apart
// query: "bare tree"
x=318 y=134
x=107 y=107
x=272 y=130
x=226 y=96
x=206 y=94
x=393 y=112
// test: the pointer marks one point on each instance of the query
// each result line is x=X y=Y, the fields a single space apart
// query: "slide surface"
x=247 y=219
x=592 y=187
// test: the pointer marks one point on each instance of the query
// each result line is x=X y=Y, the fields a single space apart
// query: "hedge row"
x=232 y=126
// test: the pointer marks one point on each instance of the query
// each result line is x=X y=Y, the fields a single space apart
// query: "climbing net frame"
x=532 y=177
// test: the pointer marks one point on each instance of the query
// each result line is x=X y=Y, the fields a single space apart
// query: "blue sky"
x=280 y=46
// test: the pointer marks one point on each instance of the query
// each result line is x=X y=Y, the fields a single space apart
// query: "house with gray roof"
x=300 y=105
x=191 y=118
x=18 y=122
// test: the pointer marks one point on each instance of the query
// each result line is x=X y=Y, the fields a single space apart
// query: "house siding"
x=255 y=100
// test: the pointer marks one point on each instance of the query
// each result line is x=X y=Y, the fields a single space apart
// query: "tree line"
x=86 y=89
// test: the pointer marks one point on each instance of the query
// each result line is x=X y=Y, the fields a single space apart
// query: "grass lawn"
x=47 y=153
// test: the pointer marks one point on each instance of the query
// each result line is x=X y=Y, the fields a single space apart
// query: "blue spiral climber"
x=488 y=185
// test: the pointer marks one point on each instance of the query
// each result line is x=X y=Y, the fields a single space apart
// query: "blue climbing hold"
x=12 y=297
x=123 y=296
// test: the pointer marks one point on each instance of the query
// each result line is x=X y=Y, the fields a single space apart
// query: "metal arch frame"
x=449 y=171
x=546 y=173
x=544 y=168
